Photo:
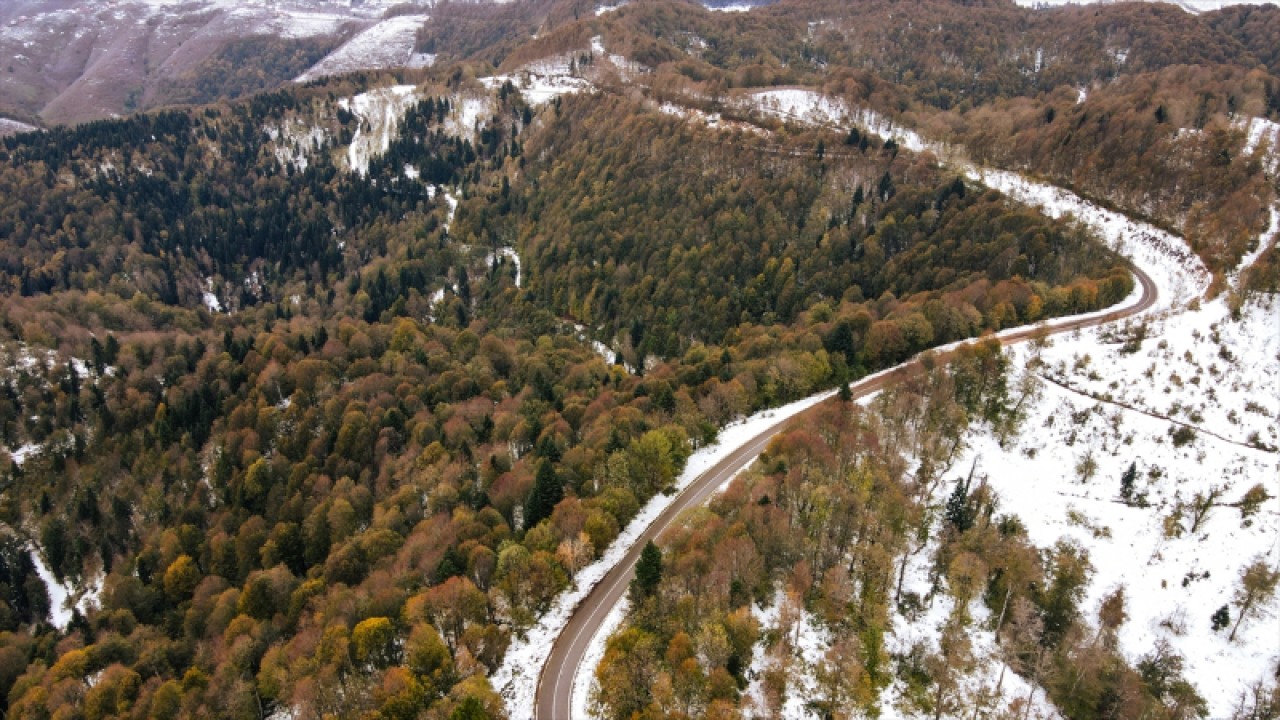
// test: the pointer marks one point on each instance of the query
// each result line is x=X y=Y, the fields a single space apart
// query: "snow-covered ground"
x=1259 y=131
x=1061 y=476
x=1191 y=6
x=388 y=44
x=468 y=113
x=801 y=648
x=63 y=597
x=543 y=80
x=20 y=454
x=1196 y=366
x=1269 y=237
x=605 y=9
x=509 y=255
x=294 y=141
x=988 y=684
x=13 y=127
x=379 y=113
x=517 y=678
x=811 y=107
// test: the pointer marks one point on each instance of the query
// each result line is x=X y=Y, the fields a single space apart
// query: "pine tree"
x=1220 y=618
x=960 y=511
x=547 y=493
x=648 y=572
x=1127 y=481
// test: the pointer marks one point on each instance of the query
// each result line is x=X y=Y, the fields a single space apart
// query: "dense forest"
x=1141 y=106
x=346 y=494
x=309 y=439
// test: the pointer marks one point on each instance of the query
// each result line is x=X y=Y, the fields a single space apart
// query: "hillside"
x=75 y=61
x=335 y=398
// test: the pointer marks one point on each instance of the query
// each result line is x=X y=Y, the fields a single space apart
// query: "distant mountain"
x=69 y=61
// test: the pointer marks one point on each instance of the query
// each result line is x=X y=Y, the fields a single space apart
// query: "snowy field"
x=388 y=44
x=1103 y=405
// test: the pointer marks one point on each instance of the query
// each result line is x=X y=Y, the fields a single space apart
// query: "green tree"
x=547 y=493
x=470 y=709
x=648 y=571
x=1127 y=481
x=373 y=641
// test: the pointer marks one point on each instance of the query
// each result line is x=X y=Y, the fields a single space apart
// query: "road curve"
x=554 y=699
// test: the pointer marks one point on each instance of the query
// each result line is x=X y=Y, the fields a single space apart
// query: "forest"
x=1139 y=106
x=827 y=523
x=344 y=493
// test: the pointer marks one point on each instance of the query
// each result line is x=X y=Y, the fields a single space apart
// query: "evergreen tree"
x=960 y=512
x=470 y=709
x=547 y=493
x=885 y=189
x=1127 y=481
x=648 y=572
x=1221 y=618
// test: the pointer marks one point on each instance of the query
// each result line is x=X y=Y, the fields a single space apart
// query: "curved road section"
x=554 y=700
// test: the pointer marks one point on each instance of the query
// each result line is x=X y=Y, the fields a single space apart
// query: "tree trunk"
x=1244 y=609
x=1000 y=620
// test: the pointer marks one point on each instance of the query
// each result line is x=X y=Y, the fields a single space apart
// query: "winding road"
x=554 y=699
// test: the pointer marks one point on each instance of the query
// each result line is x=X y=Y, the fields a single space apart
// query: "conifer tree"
x=1126 y=483
x=547 y=493
x=648 y=572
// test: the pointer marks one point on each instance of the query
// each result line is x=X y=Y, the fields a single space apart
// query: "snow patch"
x=13 y=127
x=1191 y=6
x=812 y=107
x=211 y=301
x=386 y=45
x=604 y=351
x=294 y=142
x=467 y=114
x=1178 y=272
x=1261 y=132
x=540 y=83
x=20 y=454
x=379 y=113
x=1174 y=580
x=63 y=598
x=507 y=254
x=583 y=683
x=1268 y=236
